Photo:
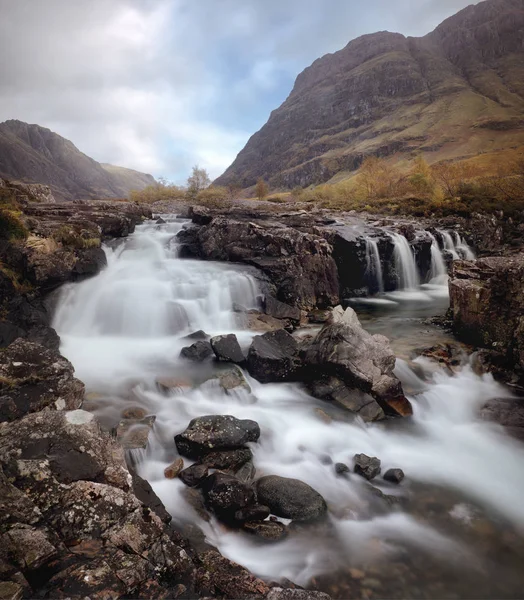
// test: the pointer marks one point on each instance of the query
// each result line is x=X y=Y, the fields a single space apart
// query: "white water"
x=122 y=329
x=438 y=271
x=374 y=266
x=407 y=272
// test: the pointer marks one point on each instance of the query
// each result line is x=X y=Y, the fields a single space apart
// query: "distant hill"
x=31 y=153
x=455 y=93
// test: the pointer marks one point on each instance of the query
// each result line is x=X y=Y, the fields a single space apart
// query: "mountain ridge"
x=454 y=93
x=34 y=154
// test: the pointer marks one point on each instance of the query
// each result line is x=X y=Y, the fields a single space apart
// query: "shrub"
x=261 y=189
x=70 y=237
x=11 y=225
x=214 y=196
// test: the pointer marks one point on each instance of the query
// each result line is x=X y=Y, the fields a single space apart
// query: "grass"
x=69 y=237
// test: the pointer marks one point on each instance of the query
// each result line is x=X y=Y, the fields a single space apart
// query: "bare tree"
x=197 y=181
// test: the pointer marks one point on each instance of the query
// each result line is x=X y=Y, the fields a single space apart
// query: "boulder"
x=233 y=379
x=228 y=459
x=290 y=498
x=273 y=357
x=394 y=475
x=34 y=378
x=345 y=350
x=134 y=433
x=197 y=352
x=342 y=469
x=225 y=495
x=281 y=310
x=255 y=512
x=197 y=335
x=227 y=348
x=215 y=432
x=193 y=475
x=366 y=466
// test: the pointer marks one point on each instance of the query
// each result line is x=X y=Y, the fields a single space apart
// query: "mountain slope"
x=31 y=153
x=454 y=93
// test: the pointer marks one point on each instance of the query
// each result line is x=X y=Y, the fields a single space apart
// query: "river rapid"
x=456 y=529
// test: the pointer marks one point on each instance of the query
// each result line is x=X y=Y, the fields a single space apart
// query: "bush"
x=159 y=192
x=11 y=225
x=214 y=196
x=71 y=237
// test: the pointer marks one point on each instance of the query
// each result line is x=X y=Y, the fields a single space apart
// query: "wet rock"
x=233 y=379
x=34 y=378
x=342 y=469
x=267 y=530
x=508 y=412
x=225 y=495
x=323 y=416
x=228 y=459
x=174 y=469
x=257 y=321
x=345 y=350
x=160 y=221
x=220 y=577
x=366 y=466
x=134 y=412
x=333 y=389
x=290 y=498
x=247 y=472
x=193 y=475
x=197 y=335
x=281 y=310
x=197 y=352
x=273 y=357
x=394 y=475
x=134 y=433
x=215 y=432
x=227 y=348
x=255 y=512
x=168 y=384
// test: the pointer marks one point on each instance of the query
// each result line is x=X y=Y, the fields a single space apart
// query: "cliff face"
x=453 y=93
x=31 y=153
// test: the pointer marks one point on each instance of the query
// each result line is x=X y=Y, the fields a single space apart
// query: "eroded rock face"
x=290 y=498
x=487 y=303
x=363 y=361
x=215 y=432
x=35 y=378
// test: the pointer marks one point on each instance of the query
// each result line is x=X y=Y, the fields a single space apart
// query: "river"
x=456 y=530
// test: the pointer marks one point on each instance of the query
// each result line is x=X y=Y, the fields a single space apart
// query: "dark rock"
x=319 y=316
x=342 y=469
x=280 y=310
x=197 y=335
x=278 y=593
x=290 y=498
x=345 y=350
x=174 y=468
x=273 y=357
x=366 y=466
x=197 y=352
x=255 y=512
x=225 y=495
x=193 y=475
x=215 y=432
x=160 y=221
x=228 y=459
x=34 y=378
x=267 y=530
x=134 y=433
x=394 y=475
x=247 y=472
x=227 y=348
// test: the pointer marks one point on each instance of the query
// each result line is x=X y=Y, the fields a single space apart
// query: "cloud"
x=160 y=85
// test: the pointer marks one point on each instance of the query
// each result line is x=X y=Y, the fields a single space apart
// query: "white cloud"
x=159 y=85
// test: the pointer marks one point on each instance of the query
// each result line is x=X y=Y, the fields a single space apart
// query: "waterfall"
x=462 y=247
x=374 y=267
x=407 y=273
x=438 y=270
x=449 y=244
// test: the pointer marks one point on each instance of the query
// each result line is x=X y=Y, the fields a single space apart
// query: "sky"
x=162 y=85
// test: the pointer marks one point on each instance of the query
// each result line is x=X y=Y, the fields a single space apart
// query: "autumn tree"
x=378 y=179
x=261 y=189
x=233 y=189
x=198 y=180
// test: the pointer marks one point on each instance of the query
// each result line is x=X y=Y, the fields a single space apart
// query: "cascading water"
x=374 y=266
x=407 y=273
x=438 y=272
x=122 y=330
x=462 y=248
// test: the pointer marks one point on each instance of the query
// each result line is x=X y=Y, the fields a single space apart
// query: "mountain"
x=454 y=93
x=31 y=153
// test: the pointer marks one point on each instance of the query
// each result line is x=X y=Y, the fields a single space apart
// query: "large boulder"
x=35 y=378
x=273 y=357
x=227 y=348
x=225 y=495
x=488 y=305
x=345 y=350
x=197 y=352
x=290 y=498
x=215 y=432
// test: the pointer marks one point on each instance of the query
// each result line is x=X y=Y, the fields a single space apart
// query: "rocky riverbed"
x=78 y=517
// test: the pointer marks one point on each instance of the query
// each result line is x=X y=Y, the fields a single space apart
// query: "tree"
x=233 y=189
x=378 y=179
x=261 y=189
x=198 y=181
